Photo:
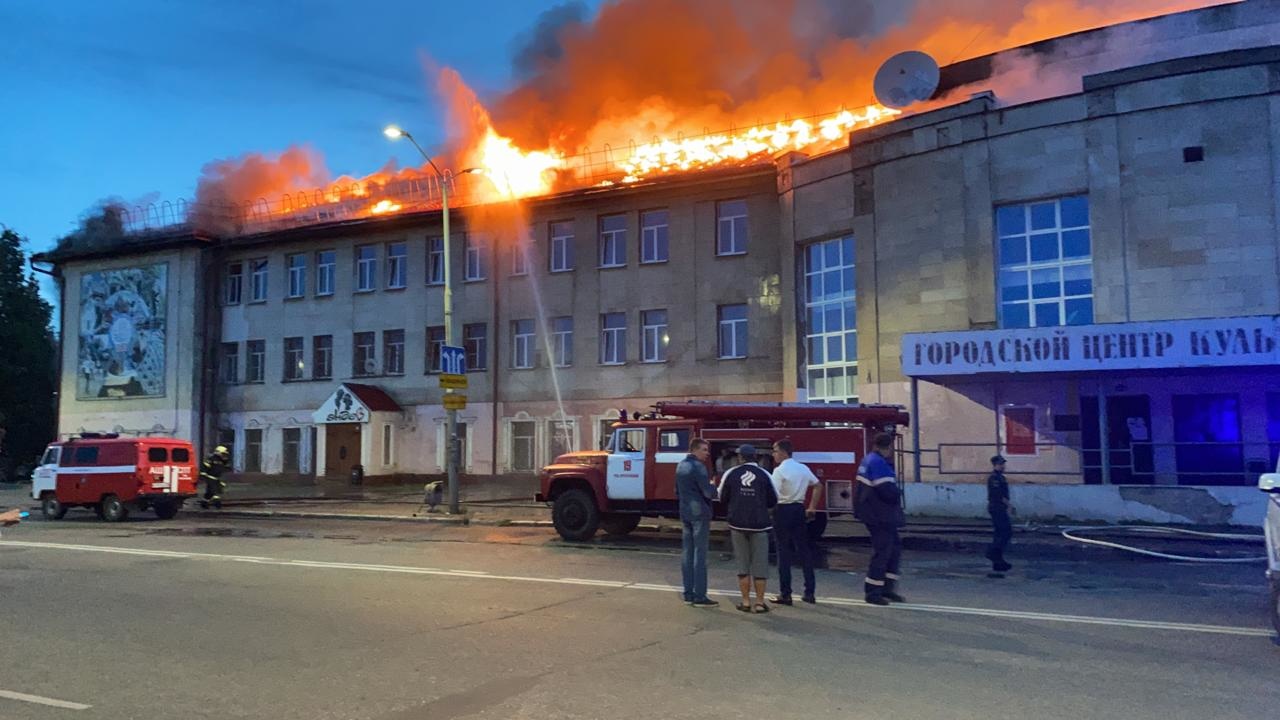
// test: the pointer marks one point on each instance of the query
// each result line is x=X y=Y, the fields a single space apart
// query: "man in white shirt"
x=792 y=480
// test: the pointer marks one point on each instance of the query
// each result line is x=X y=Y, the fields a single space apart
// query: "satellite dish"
x=906 y=78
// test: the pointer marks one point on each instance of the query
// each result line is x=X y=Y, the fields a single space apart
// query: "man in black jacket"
x=748 y=494
x=998 y=506
x=877 y=504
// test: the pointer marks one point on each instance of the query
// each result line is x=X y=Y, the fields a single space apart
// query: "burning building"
x=1091 y=216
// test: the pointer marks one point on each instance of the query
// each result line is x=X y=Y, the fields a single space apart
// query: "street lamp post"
x=451 y=426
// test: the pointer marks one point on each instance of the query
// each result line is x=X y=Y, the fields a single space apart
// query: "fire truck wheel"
x=619 y=524
x=575 y=515
x=168 y=510
x=51 y=507
x=112 y=510
x=817 y=526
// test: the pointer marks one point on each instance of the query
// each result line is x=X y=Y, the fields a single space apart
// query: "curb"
x=445 y=520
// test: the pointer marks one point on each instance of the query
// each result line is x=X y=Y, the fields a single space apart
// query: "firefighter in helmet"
x=211 y=473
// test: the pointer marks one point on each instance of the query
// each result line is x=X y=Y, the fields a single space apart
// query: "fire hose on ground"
x=1077 y=534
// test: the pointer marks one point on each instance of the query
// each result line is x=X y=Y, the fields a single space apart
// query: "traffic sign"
x=453 y=360
x=454 y=401
x=453 y=382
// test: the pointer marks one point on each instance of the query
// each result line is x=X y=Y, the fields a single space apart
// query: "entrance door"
x=1128 y=439
x=341 y=449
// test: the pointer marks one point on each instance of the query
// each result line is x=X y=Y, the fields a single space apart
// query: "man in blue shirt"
x=877 y=504
x=694 y=494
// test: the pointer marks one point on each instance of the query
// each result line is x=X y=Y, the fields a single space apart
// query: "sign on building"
x=1213 y=342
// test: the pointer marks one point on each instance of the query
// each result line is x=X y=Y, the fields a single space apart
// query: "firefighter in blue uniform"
x=211 y=473
x=877 y=504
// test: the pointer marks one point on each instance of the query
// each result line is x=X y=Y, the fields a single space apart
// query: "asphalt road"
x=221 y=618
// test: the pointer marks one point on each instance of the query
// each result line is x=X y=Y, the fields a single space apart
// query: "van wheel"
x=51 y=507
x=575 y=515
x=168 y=509
x=619 y=524
x=112 y=510
x=816 y=527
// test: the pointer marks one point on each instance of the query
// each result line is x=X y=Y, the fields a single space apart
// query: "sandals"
x=744 y=608
x=758 y=608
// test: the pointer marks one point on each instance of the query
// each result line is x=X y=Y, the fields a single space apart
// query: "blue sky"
x=130 y=98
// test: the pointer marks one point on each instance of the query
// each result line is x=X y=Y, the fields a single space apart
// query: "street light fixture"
x=394 y=132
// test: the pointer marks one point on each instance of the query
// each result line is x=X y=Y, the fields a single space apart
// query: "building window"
x=519 y=257
x=255 y=361
x=613 y=241
x=561 y=254
x=831 y=329
x=366 y=268
x=297 y=275
x=435 y=347
x=522 y=344
x=388 y=445
x=1046 y=263
x=613 y=338
x=1209 y=447
x=731 y=227
x=562 y=341
x=397 y=265
x=435 y=261
x=253 y=450
x=258 y=280
x=230 y=363
x=475 y=339
x=654 y=337
x=653 y=236
x=291 y=445
x=364 y=361
x=733 y=331
x=233 y=284
x=326 y=269
x=1019 y=430
x=295 y=364
x=559 y=438
x=393 y=352
x=523 y=437
x=322 y=357
x=477 y=249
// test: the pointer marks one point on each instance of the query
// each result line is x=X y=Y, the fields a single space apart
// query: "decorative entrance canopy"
x=353 y=403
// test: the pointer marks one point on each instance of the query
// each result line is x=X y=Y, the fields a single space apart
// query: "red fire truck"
x=634 y=476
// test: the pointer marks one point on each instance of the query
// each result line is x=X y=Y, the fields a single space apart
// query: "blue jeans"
x=694 y=539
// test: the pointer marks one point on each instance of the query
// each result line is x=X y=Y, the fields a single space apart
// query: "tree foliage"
x=28 y=358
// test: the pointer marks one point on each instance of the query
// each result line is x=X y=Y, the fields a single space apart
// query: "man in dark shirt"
x=748 y=495
x=211 y=471
x=877 y=503
x=998 y=506
x=694 y=493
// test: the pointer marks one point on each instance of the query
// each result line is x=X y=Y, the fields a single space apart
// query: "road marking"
x=38 y=700
x=653 y=587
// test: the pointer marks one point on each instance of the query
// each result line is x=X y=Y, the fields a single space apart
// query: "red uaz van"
x=115 y=475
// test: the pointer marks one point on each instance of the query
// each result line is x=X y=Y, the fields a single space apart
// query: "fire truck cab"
x=634 y=476
x=114 y=475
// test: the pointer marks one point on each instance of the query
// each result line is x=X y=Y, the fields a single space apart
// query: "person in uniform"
x=998 y=506
x=877 y=504
x=211 y=471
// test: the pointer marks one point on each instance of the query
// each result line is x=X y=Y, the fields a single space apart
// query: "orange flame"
x=516 y=173
x=384 y=206
x=666 y=156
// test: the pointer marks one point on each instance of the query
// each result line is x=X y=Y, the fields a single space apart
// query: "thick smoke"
x=227 y=186
x=643 y=68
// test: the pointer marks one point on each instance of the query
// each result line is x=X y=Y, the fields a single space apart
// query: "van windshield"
x=50 y=456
